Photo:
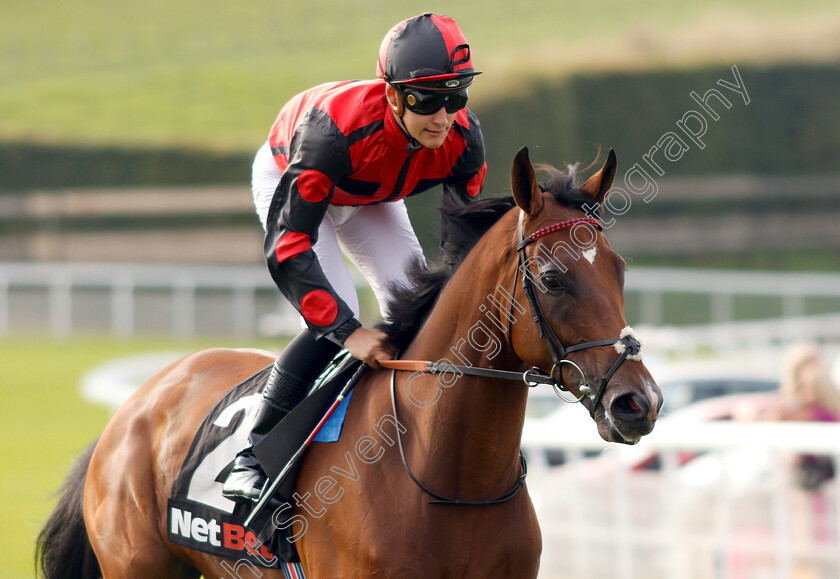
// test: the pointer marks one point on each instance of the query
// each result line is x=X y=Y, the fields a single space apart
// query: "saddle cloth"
x=200 y=518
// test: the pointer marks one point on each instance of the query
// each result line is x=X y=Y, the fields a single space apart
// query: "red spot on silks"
x=319 y=308
x=474 y=185
x=313 y=185
x=291 y=245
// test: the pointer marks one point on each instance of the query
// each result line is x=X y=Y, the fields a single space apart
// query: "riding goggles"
x=428 y=103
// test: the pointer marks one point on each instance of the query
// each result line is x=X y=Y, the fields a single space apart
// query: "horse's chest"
x=441 y=541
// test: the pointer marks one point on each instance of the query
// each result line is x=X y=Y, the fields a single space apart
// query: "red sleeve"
x=316 y=160
x=466 y=179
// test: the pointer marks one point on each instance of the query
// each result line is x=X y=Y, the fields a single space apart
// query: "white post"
x=793 y=307
x=836 y=489
x=673 y=543
x=781 y=522
x=622 y=529
x=183 y=308
x=244 y=309
x=651 y=307
x=574 y=457
x=723 y=308
x=722 y=311
x=725 y=549
x=4 y=307
x=61 y=307
x=122 y=307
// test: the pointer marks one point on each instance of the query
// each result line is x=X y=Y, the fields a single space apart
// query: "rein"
x=532 y=377
x=627 y=346
x=440 y=499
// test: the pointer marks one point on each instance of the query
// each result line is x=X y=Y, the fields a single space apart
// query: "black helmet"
x=428 y=51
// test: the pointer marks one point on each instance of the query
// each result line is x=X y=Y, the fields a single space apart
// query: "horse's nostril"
x=629 y=406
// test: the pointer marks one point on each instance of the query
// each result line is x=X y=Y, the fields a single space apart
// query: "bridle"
x=627 y=346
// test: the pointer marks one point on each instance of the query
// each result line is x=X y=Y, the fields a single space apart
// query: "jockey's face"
x=428 y=130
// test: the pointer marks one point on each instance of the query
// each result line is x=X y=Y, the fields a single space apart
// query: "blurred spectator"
x=806 y=393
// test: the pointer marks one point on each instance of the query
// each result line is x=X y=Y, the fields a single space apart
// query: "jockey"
x=339 y=161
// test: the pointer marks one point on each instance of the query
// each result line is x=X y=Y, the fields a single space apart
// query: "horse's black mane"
x=462 y=224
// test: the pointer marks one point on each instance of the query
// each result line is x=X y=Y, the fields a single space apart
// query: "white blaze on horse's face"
x=589 y=254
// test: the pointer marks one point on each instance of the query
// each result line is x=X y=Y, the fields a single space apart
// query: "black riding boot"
x=282 y=392
x=288 y=383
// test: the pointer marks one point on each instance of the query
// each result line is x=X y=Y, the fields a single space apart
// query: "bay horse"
x=457 y=435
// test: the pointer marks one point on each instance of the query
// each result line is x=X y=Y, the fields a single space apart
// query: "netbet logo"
x=226 y=536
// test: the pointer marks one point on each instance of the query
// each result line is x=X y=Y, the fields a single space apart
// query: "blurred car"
x=683 y=385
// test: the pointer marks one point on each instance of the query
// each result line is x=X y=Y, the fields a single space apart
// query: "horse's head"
x=574 y=286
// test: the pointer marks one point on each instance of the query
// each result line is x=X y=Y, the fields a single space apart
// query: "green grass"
x=213 y=74
x=46 y=424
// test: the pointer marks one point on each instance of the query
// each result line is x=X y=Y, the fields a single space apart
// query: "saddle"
x=200 y=518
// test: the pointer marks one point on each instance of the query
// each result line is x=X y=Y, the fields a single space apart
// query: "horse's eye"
x=551 y=282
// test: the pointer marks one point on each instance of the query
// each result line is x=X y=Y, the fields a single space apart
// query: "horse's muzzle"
x=628 y=416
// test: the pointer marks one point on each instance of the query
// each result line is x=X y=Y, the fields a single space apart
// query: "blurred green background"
x=112 y=96
x=212 y=75
x=98 y=94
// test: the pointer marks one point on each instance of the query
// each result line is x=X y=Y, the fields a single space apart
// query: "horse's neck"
x=468 y=324
x=475 y=423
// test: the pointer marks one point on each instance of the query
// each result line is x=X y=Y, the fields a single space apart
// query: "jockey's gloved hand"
x=369 y=346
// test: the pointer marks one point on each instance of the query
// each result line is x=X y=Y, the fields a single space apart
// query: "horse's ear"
x=599 y=183
x=523 y=180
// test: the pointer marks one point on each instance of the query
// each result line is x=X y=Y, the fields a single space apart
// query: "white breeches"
x=378 y=239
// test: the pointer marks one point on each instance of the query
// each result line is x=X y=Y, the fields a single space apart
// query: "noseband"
x=627 y=345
